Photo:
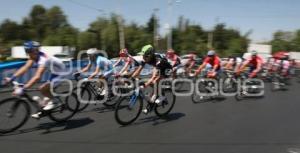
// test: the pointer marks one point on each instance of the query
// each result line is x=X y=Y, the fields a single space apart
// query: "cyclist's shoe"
x=145 y=111
x=37 y=115
x=148 y=108
x=51 y=105
x=103 y=92
x=160 y=99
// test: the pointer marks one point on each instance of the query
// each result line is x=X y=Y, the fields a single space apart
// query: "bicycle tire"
x=83 y=105
x=119 y=106
x=65 y=106
x=19 y=102
x=157 y=106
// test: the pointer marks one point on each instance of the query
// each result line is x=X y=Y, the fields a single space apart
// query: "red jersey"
x=213 y=61
x=255 y=61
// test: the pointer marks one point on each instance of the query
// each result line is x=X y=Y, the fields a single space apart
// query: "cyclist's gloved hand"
x=18 y=91
x=8 y=80
x=117 y=74
x=192 y=75
x=76 y=74
x=142 y=85
x=252 y=75
x=211 y=74
x=85 y=79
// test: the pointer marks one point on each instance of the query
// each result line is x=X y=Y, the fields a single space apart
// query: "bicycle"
x=229 y=82
x=92 y=90
x=19 y=104
x=278 y=82
x=132 y=105
x=244 y=92
x=205 y=87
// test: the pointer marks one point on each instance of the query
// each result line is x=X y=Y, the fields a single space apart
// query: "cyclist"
x=174 y=60
x=104 y=67
x=161 y=69
x=284 y=65
x=128 y=60
x=233 y=63
x=255 y=64
x=44 y=63
x=211 y=63
x=191 y=62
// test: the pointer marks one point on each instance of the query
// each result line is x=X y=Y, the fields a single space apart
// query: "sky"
x=264 y=17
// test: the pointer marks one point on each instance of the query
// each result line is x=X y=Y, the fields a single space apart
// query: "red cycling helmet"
x=123 y=52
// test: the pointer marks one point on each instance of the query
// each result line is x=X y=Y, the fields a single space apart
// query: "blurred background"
x=230 y=27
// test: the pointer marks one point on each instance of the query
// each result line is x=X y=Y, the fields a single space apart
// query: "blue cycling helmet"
x=211 y=53
x=29 y=45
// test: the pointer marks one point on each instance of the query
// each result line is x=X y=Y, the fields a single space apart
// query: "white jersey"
x=52 y=64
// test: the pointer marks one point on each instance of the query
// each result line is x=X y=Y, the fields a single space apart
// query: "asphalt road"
x=265 y=125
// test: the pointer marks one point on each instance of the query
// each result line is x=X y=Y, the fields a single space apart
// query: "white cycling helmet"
x=92 y=51
x=211 y=53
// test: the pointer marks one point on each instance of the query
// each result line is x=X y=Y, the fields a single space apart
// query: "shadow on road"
x=52 y=127
x=157 y=120
x=217 y=99
x=103 y=109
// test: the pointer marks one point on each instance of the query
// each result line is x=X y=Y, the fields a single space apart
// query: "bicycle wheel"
x=229 y=85
x=68 y=108
x=112 y=99
x=164 y=108
x=84 y=98
x=14 y=113
x=240 y=96
x=275 y=85
x=197 y=98
x=126 y=111
x=179 y=85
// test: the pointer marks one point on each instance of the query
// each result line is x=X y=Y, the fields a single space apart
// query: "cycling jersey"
x=130 y=60
x=253 y=62
x=235 y=62
x=53 y=64
x=282 y=66
x=213 y=61
x=104 y=64
x=161 y=64
x=175 y=60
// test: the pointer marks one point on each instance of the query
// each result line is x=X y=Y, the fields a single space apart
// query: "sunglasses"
x=29 y=50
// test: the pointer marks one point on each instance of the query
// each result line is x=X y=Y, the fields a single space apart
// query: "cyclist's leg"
x=47 y=89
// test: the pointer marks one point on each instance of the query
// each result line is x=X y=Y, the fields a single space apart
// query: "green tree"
x=281 y=41
x=86 y=40
x=55 y=18
x=38 y=21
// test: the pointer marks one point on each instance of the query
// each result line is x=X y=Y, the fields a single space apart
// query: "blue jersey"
x=103 y=63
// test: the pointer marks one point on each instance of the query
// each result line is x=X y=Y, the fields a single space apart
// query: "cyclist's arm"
x=191 y=65
x=215 y=67
x=200 y=68
x=154 y=77
x=24 y=68
x=243 y=66
x=173 y=62
x=117 y=62
x=258 y=68
x=37 y=76
x=125 y=68
x=137 y=71
x=86 y=68
x=217 y=63
x=228 y=65
x=96 y=72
